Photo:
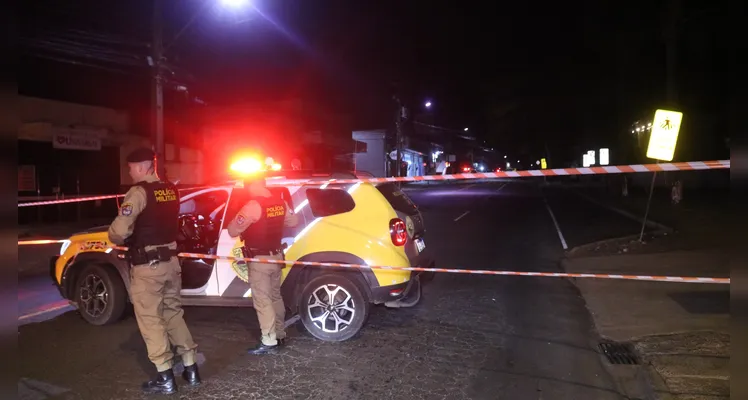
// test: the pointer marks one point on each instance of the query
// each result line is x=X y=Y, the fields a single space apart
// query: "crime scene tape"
x=612 y=169
x=466 y=271
x=653 y=278
x=79 y=199
x=72 y=200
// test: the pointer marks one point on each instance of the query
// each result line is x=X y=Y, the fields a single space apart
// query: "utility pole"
x=157 y=124
x=671 y=33
x=398 y=133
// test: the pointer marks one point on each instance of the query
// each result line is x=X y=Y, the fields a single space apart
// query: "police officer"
x=260 y=223
x=147 y=225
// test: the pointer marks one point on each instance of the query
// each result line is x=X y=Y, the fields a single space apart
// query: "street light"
x=428 y=104
x=158 y=51
x=466 y=129
x=234 y=3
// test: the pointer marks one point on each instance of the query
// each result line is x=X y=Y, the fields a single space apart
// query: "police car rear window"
x=397 y=199
x=327 y=202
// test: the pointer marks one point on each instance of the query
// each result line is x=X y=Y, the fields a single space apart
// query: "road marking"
x=502 y=186
x=54 y=307
x=462 y=215
x=558 y=228
x=468 y=187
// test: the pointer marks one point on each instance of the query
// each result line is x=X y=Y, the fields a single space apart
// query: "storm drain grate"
x=619 y=353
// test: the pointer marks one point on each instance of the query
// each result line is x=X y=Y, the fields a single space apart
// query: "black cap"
x=141 y=154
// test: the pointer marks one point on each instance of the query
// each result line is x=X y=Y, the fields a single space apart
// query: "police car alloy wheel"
x=100 y=294
x=333 y=308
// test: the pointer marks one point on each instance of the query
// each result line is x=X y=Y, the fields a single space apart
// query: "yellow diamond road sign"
x=664 y=135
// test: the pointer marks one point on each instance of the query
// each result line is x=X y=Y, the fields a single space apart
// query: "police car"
x=357 y=223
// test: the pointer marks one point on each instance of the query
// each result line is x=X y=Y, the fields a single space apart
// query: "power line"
x=86 y=51
x=80 y=63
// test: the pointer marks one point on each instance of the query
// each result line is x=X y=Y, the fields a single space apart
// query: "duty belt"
x=252 y=252
x=265 y=252
x=140 y=256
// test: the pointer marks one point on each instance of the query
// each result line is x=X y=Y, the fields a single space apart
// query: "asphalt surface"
x=471 y=336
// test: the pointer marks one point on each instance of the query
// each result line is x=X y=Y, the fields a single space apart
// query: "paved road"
x=471 y=337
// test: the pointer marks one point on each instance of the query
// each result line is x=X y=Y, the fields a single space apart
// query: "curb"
x=573 y=250
x=633 y=382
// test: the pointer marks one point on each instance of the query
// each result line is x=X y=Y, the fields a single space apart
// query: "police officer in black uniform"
x=148 y=225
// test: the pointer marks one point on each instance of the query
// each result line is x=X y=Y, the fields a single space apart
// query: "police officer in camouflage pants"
x=147 y=224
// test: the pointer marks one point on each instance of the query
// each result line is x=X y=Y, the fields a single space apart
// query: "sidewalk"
x=680 y=330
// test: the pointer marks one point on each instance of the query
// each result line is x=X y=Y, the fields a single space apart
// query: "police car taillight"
x=398 y=233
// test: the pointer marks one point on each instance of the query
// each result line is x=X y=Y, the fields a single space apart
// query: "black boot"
x=191 y=375
x=163 y=384
x=262 y=348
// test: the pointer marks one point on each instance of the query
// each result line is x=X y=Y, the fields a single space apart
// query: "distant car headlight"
x=64 y=247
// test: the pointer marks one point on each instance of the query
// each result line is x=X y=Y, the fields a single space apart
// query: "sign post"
x=664 y=135
x=662 y=142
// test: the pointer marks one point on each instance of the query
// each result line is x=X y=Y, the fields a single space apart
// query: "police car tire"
x=361 y=302
x=116 y=289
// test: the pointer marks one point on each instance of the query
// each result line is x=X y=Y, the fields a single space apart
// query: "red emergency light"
x=247 y=166
x=251 y=164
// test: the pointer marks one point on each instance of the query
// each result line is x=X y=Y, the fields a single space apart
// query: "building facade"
x=67 y=150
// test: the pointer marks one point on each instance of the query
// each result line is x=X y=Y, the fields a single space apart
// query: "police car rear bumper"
x=383 y=294
x=386 y=294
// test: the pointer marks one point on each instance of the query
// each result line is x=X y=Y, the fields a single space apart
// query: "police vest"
x=267 y=232
x=158 y=223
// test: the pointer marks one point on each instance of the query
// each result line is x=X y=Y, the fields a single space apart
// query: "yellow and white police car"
x=360 y=223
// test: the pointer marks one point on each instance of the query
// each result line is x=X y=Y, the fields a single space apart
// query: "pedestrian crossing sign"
x=664 y=135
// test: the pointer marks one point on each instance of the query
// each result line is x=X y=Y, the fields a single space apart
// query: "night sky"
x=520 y=75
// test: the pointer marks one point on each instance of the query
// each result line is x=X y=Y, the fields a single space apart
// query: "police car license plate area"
x=420 y=244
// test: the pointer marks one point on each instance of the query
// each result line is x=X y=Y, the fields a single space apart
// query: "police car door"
x=200 y=219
